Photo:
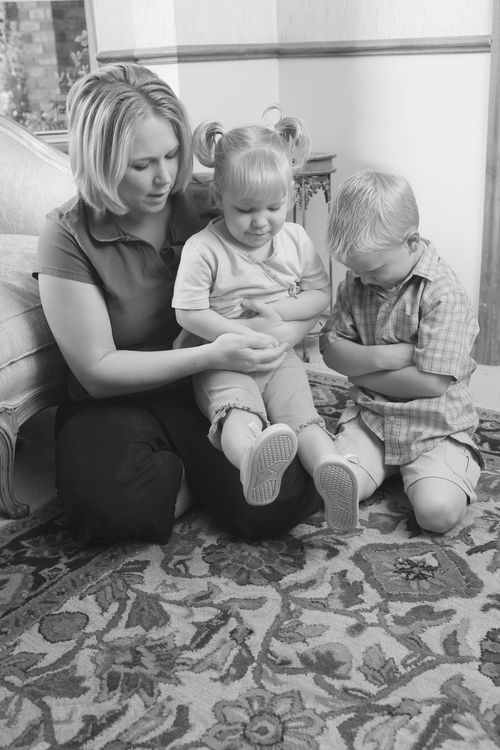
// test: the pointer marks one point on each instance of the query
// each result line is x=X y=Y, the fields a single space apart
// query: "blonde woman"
x=107 y=263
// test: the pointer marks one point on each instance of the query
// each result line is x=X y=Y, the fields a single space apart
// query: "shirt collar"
x=428 y=263
x=184 y=221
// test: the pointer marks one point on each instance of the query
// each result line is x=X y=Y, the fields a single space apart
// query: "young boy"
x=402 y=330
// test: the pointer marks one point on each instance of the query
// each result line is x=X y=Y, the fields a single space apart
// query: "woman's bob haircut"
x=105 y=109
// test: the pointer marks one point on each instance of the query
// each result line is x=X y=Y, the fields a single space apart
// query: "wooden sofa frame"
x=34 y=178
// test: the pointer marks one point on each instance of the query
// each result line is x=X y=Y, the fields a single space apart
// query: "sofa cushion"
x=29 y=358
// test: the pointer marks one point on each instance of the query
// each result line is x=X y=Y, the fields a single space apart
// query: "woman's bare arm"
x=79 y=320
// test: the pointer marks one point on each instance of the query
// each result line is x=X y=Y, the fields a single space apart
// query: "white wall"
x=423 y=116
x=341 y=20
x=225 y=21
x=235 y=93
x=132 y=24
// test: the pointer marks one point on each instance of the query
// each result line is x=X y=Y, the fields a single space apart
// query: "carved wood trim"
x=11 y=418
x=217 y=52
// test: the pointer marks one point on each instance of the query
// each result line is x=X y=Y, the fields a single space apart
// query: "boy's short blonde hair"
x=371 y=211
x=105 y=109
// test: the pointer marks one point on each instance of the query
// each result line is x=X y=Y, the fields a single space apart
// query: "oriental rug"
x=384 y=639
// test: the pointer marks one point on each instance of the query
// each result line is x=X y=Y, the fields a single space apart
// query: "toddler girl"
x=251 y=268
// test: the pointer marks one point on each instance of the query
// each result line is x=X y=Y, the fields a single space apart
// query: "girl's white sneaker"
x=265 y=462
x=336 y=482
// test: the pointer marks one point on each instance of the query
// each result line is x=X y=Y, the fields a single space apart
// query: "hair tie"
x=270 y=123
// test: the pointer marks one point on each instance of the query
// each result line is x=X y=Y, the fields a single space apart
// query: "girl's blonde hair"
x=255 y=160
x=371 y=211
x=105 y=109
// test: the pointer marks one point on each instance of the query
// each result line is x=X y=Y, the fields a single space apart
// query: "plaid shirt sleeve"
x=341 y=323
x=447 y=330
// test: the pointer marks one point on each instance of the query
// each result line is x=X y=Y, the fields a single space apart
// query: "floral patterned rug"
x=387 y=638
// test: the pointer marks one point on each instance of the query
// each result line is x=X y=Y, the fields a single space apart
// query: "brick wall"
x=48 y=31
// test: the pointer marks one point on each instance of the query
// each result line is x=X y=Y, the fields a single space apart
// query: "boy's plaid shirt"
x=431 y=310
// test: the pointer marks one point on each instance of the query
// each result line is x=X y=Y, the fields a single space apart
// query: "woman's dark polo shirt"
x=137 y=281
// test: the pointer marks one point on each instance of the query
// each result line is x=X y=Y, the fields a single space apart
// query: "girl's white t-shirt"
x=214 y=273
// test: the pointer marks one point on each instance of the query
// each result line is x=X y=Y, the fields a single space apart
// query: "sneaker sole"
x=270 y=461
x=338 y=487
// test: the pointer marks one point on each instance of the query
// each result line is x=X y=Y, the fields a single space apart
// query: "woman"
x=107 y=262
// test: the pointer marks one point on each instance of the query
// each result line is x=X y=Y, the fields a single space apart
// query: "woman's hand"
x=246 y=352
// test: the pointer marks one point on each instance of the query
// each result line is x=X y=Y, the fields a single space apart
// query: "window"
x=43 y=49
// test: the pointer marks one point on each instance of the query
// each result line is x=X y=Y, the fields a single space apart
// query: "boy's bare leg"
x=438 y=504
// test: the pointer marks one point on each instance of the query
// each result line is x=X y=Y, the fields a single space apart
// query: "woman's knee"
x=438 y=504
x=117 y=476
x=296 y=501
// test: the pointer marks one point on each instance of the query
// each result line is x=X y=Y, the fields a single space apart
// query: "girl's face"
x=253 y=222
x=152 y=168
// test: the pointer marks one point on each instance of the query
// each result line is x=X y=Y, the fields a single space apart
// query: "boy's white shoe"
x=265 y=462
x=336 y=482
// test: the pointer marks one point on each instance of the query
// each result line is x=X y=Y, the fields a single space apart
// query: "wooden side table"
x=314 y=177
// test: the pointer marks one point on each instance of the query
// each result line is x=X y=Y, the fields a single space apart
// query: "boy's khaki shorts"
x=451 y=459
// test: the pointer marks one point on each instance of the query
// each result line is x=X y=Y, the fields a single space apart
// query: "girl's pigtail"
x=293 y=131
x=205 y=138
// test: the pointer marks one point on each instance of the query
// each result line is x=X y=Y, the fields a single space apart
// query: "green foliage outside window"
x=14 y=90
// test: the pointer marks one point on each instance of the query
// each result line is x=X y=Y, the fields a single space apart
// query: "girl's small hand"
x=266 y=317
x=247 y=353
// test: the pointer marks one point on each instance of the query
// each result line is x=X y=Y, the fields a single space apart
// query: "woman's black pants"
x=119 y=466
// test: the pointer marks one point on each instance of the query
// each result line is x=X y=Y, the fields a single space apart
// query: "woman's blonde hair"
x=371 y=211
x=105 y=109
x=252 y=161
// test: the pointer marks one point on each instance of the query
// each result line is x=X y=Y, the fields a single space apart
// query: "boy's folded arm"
x=353 y=359
x=407 y=383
